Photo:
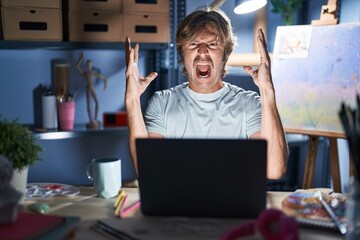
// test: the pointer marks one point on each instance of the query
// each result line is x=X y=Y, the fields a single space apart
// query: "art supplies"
x=120 y=203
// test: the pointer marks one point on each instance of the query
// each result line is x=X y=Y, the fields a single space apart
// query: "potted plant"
x=287 y=9
x=19 y=146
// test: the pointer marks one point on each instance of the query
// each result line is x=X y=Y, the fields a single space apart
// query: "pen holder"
x=66 y=115
x=352 y=213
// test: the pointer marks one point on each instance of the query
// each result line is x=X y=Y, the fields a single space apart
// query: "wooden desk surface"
x=91 y=208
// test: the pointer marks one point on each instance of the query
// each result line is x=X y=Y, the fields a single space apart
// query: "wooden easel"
x=328 y=14
x=311 y=156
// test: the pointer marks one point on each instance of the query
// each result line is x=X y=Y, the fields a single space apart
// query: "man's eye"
x=213 y=45
x=193 y=45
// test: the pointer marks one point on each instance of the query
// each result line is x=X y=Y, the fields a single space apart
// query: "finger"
x=136 y=57
x=262 y=45
x=252 y=72
x=151 y=76
x=127 y=50
x=131 y=56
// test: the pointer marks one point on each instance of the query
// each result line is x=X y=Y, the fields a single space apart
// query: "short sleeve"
x=155 y=116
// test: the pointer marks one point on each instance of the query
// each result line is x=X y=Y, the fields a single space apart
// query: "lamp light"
x=246 y=6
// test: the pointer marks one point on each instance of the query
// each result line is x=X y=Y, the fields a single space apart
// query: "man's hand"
x=262 y=75
x=136 y=84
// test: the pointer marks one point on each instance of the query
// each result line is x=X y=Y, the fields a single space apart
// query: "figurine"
x=90 y=74
x=9 y=196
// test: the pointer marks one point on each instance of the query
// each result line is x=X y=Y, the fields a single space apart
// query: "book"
x=28 y=226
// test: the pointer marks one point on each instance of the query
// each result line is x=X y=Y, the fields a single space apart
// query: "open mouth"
x=203 y=71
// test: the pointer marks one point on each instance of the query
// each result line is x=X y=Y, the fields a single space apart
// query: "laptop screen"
x=202 y=177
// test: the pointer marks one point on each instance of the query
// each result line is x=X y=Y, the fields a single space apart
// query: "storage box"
x=115 y=119
x=79 y=5
x=32 y=3
x=149 y=28
x=103 y=26
x=146 y=6
x=32 y=24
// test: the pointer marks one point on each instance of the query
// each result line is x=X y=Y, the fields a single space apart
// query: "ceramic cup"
x=67 y=115
x=105 y=173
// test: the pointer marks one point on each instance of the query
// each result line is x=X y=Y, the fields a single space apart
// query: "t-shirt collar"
x=207 y=97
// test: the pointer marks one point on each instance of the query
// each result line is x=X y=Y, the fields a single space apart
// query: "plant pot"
x=19 y=182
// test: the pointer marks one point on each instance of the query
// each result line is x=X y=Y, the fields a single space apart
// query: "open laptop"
x=223 y=178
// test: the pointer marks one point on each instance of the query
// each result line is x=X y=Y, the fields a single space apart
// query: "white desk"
x=91 y=208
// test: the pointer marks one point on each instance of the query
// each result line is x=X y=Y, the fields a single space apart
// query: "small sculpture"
x=9 y=196
x=90 y=75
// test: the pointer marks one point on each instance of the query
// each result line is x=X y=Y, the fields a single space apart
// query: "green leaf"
x=18 y=144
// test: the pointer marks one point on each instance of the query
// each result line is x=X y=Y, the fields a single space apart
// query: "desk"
x=91 y=208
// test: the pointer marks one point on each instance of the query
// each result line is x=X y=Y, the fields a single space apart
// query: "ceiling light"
x=246 y=6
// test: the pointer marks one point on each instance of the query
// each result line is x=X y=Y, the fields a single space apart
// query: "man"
x=206 y=106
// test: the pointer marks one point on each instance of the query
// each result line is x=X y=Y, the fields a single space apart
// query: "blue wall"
x=65 y=160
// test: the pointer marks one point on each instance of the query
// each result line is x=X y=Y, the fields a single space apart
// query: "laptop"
x=216 y=178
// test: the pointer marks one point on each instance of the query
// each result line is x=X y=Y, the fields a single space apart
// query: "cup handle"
x=89 y=171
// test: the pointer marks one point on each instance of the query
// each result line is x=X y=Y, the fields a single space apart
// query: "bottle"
x=49 y=111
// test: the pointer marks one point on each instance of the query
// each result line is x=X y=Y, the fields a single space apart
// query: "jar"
x=352 y=212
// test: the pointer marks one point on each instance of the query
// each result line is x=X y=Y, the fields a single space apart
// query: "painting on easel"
x=315 y=69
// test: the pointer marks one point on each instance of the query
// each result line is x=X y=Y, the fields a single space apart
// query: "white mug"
x=105 y=173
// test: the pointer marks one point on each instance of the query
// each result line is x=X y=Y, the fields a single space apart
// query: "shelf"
x=79 y=131
x=54 y=45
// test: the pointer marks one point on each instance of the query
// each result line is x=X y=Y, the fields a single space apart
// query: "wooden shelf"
x=79 y=131
x=54 y=45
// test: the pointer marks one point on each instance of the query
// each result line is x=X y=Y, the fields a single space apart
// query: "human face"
x=204 y=61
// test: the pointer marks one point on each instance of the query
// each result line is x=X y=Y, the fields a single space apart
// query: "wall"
x=65 y=160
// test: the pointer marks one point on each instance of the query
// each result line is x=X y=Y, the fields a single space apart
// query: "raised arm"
x=103 y=77
x=78 y=64
x=271 y=126
x=136 y=84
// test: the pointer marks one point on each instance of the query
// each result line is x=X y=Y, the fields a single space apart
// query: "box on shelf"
x=150 y=28
x=32 y=3
x=146 y=6
x=32 y=24
x=115 y=119
x=112 y=5
x=102 y=26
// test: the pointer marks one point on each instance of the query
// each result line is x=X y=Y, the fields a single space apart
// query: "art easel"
x=329 y=14
x=312 y=152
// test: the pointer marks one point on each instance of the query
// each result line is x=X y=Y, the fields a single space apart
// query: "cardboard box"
x=149 y=28
x=32 y=24
x=32 y=3
x=102 y=26
x=146 y=6
x=79 y=5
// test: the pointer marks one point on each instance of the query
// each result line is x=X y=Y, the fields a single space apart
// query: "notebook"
x=221 y=178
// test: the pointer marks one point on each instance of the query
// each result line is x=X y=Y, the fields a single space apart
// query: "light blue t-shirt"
x=179 y=112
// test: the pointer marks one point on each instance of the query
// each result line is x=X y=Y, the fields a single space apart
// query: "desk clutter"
x=87 y=216
x=84 y=20
x=306 y=207
x=121 y=201
x=42 y=191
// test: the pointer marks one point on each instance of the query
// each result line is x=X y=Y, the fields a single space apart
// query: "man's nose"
x=203 y=48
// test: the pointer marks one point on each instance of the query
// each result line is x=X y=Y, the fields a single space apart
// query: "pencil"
x=120 y=205
x=130 y=208
x=102 y=232
x=121 y=194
